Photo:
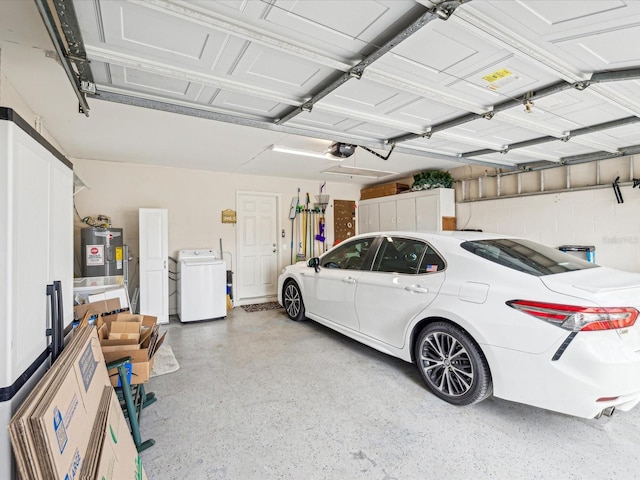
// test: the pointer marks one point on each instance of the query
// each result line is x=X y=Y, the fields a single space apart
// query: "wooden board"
x=449 y=223
x=344 y=219
x=386 y=189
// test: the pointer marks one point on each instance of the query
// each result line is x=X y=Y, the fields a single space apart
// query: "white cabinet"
x=425 y=218
x=154 y=271
x=416 y=211
x=405 y=214
x=397 y=215
x=36 y=249
x=368 y=217
x=387 y=215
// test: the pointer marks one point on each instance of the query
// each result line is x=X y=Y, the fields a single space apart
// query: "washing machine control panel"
x=199 y=253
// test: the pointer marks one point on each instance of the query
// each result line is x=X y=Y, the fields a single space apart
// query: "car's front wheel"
x=292 y=299
x=452 y=365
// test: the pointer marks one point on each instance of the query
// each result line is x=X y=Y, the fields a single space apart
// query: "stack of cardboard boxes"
x=124 y=335
x=71 y=425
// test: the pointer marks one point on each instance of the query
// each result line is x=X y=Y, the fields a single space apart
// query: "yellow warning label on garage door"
x=500 y=78
x=492 y=77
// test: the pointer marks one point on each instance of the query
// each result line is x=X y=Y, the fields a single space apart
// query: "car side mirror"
x=315 y=263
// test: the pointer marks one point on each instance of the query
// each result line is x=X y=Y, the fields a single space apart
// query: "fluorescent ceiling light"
x=358 y=172
x=304 y=153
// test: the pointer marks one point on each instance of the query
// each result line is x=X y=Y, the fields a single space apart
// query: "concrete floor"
x=258 y=396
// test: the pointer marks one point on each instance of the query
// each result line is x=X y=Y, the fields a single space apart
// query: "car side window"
x=350 y=256
x=431 y=262
x=399 y=255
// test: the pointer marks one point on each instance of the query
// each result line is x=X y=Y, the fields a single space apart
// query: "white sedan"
x=482 y=314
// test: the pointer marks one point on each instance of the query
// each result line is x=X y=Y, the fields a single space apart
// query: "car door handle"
x=416 y=289
x=349 y=280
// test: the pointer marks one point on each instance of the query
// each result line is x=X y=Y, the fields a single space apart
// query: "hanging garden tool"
x=292 y=215
x=323 y=201
x=320 y=237
x=299 y=210
x=306 y=227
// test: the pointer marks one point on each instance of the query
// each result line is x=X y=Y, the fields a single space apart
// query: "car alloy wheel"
x=292 y=299
x=452 y=365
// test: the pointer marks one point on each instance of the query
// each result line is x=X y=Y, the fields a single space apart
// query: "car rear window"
x=526 y=256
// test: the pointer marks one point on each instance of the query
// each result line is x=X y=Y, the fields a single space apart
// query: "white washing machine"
x=202 y=285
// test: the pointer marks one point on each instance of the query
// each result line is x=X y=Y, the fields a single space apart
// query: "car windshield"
x=526 y=256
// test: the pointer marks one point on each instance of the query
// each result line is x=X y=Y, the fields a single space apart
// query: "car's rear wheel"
x=292 y=299
x=452 y=364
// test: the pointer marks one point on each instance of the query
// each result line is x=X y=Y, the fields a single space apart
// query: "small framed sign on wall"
x=228 y=216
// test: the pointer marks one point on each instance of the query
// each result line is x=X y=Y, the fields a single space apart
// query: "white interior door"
x=154 y=251
x=257 y=246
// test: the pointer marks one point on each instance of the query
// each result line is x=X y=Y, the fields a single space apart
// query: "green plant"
x=432 y=179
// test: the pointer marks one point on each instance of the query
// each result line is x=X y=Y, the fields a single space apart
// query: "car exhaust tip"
x=607 y=412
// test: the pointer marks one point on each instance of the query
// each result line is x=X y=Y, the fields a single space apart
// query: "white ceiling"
x=243 y=66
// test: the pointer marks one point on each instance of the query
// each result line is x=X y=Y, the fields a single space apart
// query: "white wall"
x=195 y=200
x=10 y=98
x=584 y=217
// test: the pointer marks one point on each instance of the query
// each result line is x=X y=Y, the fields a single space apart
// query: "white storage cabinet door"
x=154 y=273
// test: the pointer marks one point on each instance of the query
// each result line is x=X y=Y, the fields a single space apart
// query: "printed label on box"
x=71 y=410
x=87 y=365
x=74 y=469
x=94 y=255
x=59 y=428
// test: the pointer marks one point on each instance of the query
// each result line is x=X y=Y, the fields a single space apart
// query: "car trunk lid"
x=606 y=288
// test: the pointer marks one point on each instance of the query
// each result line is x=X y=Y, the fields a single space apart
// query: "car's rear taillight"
x=575 y=318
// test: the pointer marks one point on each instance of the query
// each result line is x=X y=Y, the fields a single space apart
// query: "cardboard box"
x=146 y=324
x=140 y=373
x=102 y=307
x=112 y=454
x=50 y=431
x=391 y=188
x=92 y=313
x=118 y=292
x=141 y=352
x=113 y=346
x=125 y=330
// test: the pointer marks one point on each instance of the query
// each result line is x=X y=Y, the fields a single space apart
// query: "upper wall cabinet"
x=432 y=210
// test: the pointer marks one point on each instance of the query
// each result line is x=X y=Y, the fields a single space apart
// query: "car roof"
x=459 y=235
